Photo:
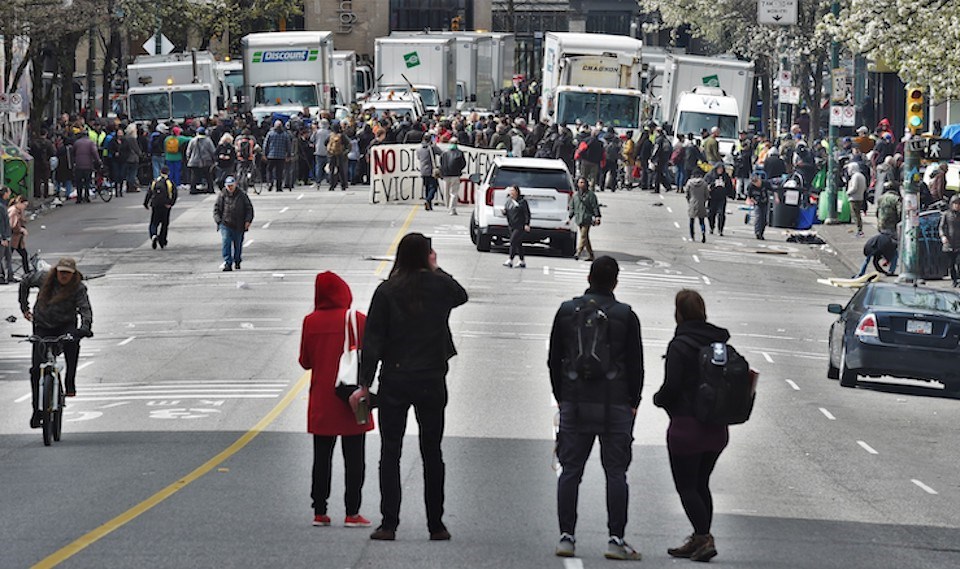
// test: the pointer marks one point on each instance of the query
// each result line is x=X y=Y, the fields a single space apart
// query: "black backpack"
x=727 y=387
x=156 y=144
x=588 y=344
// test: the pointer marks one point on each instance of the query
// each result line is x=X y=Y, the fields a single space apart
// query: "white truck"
x=175 y=87
x=345 y=76
x=474 y=61
x=232 y=70
x=592 y=77
x=286 y=72
x=503 y=59
x=424 y=62
x=705 y=92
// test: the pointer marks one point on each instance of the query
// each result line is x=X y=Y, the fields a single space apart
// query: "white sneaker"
x=508 y=264
x=522 y=265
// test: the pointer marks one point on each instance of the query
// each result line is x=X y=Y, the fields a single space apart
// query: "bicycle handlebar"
x=34 y=339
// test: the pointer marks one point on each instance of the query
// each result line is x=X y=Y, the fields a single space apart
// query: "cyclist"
x=62 y=298
x=246 y=146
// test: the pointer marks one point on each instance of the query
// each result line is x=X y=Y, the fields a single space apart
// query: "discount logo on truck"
x=285 y=55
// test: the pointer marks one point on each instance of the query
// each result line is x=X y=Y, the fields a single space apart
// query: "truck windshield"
x=620 y=111
x=697 y=122
x=234 y=78
x=190 y=104
x=429 y=96
x=305 y=95
x=149 y=106
x=460 y=98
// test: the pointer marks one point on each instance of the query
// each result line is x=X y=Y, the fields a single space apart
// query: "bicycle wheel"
x=46 y=415
x=105 y=193
x=881 y=265
x=58 y=414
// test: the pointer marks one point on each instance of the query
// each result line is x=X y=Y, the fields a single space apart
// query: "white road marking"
x=696 y=259
x=117 y=404
x=827 y=414
x=22 y=398
x=285 y=209
x=705 y=280
x=546 y=270
x=793 y=384
x=300 y=197
x=179 y=396
x=669 y=209
x=677 y=225
x=572 y=563
x=248 y=243
x=267 y=225
x=867 y=447
x=767 y=357
x=83 y=365
x=924 y=487
x=661 y=196
x=127 y=341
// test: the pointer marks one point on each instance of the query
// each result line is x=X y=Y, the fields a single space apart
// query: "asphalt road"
x=186 y=446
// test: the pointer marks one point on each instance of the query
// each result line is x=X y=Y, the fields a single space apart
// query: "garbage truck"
x=287 y=72
x=175 y=87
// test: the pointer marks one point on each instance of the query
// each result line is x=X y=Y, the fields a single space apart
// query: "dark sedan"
x=897 y=330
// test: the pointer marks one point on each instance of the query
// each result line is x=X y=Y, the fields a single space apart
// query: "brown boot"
x=693 y=543
x=706 y=552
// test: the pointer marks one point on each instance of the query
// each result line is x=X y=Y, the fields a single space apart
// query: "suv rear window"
x=531 y=178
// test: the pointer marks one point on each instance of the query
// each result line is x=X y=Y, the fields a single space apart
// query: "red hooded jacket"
x=320 y=347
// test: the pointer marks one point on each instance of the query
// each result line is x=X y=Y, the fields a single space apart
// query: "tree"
x=919 y=38
x=731 y=26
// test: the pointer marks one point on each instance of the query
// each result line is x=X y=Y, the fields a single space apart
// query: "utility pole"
x=91 y=80
x=833 y=131
x=910 y=222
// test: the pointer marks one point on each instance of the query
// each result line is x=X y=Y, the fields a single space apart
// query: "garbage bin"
x=786 y=205
x=843 y=206
x=932 y=263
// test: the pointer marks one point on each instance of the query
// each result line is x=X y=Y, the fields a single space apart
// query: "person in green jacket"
x=174 y=146
x=584 y=210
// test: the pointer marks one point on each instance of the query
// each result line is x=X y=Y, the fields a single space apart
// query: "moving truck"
x=474 y=61
x=592 y=77
x=344 y=76
x=424 y=63
x=286 y=72
x=175 y=87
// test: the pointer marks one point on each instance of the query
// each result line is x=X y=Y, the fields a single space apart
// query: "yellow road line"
x=99 y=533
x=396 y=240
x=104 y=530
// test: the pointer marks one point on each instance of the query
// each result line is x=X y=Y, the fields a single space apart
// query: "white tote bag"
x=349 y=370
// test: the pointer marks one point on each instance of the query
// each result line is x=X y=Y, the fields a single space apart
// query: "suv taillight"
x=489 y=196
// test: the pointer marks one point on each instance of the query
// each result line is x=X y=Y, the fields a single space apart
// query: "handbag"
x=436 y=171
x=348 y=373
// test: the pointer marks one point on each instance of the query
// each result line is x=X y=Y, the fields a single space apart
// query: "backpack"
x=612 y=150
x=246 y=149
x=587 y=353
x=335 y=144
x=113 y=145
x=156 y=144
x=676 y=158
x=172 y=145
x=727 y=386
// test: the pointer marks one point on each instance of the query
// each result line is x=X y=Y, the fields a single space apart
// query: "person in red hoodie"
x=329 y=417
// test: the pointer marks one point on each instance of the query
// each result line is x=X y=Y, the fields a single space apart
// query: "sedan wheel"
x=847 y=377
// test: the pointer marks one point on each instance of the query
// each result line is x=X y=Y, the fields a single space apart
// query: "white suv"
x=547 y=187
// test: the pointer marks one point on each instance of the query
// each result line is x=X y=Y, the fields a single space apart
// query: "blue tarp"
x=952 y=131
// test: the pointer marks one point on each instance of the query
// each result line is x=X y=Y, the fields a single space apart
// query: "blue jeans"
x=67 y=186
x=351 y=170
x=175 y=171
x=681 y=177
x=232 y=240
x=157 y=162
x=130 y=175
x=319 y=174
x=866 y=264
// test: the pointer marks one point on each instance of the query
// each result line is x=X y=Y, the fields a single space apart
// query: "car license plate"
x=919 y=327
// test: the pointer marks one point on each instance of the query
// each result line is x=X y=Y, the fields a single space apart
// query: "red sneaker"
x=356 y=521
x=321 y=520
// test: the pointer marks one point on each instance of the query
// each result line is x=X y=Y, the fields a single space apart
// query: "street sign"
x=836 y=116
x=789 y=95
x=932 y=149
x=150 y=46
x=785 y=78
x=849 y=116
x=777 y=12
x=11 y=103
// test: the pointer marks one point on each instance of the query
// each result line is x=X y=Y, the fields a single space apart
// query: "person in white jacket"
x=856 y=192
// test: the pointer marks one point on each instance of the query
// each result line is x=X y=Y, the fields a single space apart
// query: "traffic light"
x=915 y=105
x=455 y=23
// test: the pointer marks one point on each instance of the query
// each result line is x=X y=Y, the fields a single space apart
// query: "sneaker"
x=703 y=238
x=567 y=546
x=237 y=265
x=621 y=550
x=692 y=544
x=154 y=242
x=227 y=268
x=383 y=534
x=706 y=552
x=522 y=265
x=321 y=520
x=441 y=535
x=454 y=212
x=356 y=521
x=70 y=393
x=508 y=264
x=35 y=420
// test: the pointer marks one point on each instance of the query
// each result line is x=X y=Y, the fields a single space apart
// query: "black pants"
x=428 y=397
x=717 y=215
x=691 y=476
x=703 y=227
x=159 y=222
x=760 y=221
x=338 y=171
x=275 y=171
x=516 y=243
x=354 y=464
x=573 y=450
x=200 y=172
x=71 y=353
x=84 y=179
x=954 y=257
x=23 y=257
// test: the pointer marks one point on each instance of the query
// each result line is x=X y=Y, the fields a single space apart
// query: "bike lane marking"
x=131 y=514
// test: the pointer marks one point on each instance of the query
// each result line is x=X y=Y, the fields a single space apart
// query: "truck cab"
x=705 y=108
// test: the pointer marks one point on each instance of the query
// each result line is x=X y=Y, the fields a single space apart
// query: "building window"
x=617 y=23
x=415 y=15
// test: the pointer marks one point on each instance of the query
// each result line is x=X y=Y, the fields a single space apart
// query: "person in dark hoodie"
x=721 y=187
x=592 y=408
x=321 y=345
x=693 y=447
x=564 y=148
x=517 y=212
x=408 y=336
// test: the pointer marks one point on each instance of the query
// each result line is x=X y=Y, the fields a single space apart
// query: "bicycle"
x=50 y=389
x=35 y=263
x=247 y=177
x=102 y=187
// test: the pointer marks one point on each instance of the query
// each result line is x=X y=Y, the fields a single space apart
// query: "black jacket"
x=409 y=342
x=518 y=215
x=774 y=167
x=681 y=377
x=452 y=162
x=626 y=349
x=63 y=313
x=233 y=210
x=162 y=193
x=593 y=152
x=760 y=194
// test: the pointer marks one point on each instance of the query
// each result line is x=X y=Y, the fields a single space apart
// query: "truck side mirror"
x=473 y=98
x=447 y=103
x=220 y=104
